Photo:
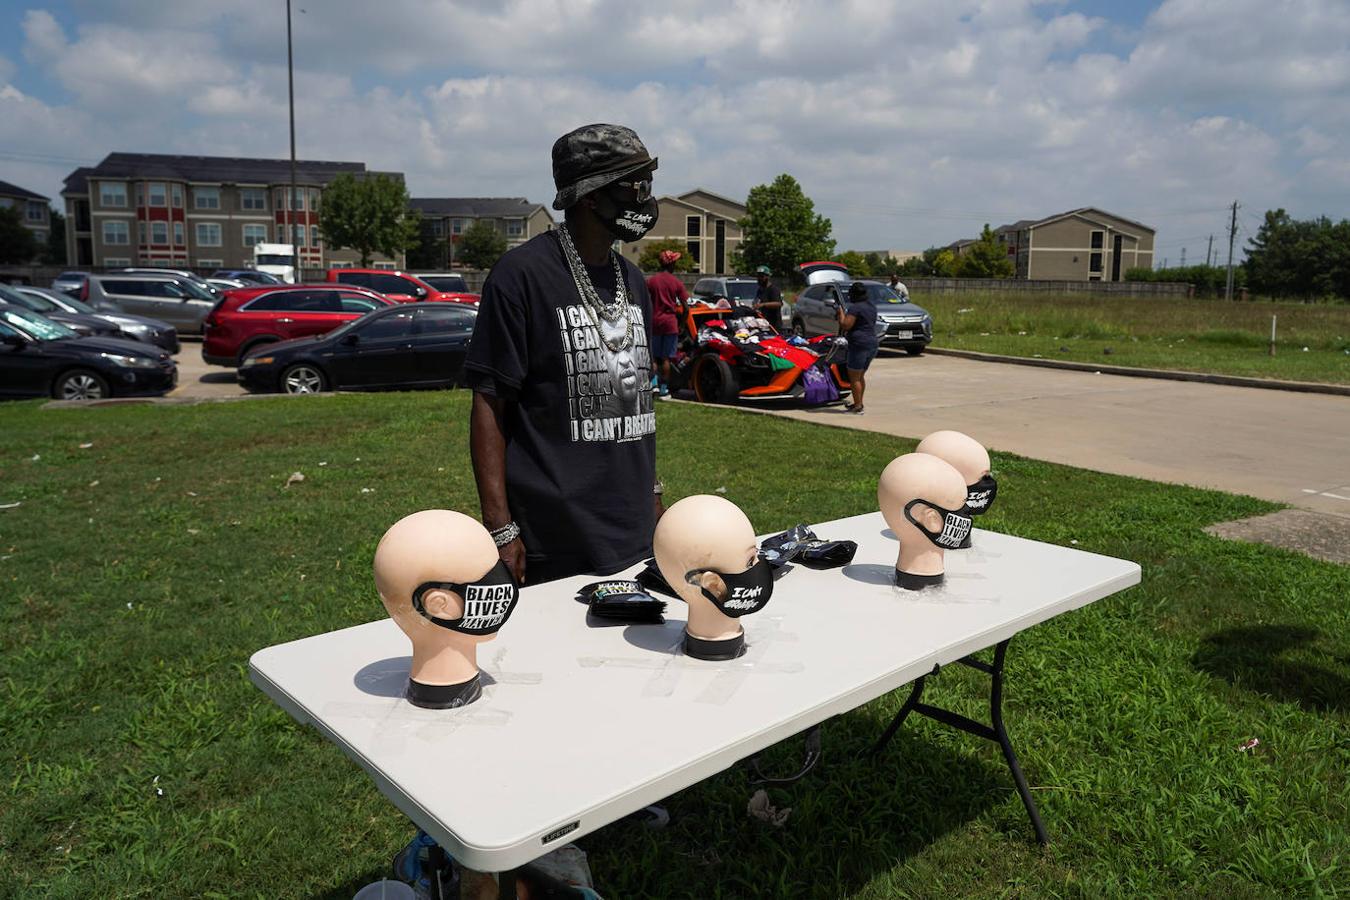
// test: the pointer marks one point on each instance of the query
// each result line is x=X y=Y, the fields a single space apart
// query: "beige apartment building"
x=1086 y=244
x=201 y=212
x=447 y=218
x=704 y=221
x=34 y=210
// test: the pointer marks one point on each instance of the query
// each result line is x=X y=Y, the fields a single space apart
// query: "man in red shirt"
x=668 y=299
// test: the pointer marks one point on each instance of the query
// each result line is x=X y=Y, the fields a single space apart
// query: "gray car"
x=898 y=321
x=133 y=328
x=179 y=302
x=69 y=282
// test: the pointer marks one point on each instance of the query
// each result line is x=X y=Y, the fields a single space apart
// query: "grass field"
x=137 y=760
x=1164 y=333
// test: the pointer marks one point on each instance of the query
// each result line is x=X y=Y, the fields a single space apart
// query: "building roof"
x=13 y=190
x=727 y=200
x=224 y=169
x=1086 y=212
x=474 y=207
x=77 y=182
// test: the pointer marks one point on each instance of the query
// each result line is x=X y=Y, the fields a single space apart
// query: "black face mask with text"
x=980 y=495
x=955 y=526
x=747 y=592
x=488 y=602
x=625 y=217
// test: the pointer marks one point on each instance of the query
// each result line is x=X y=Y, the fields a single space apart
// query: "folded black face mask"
x=800 y=544
x=488 y=602
x=652 y=581
x=622 y=600
x=980 y=495
x=955 y=526
x=747 y=592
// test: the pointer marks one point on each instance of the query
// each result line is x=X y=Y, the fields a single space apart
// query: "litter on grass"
x=11 y=505
x=760 y=808
x=1247 y=746
x=295 y=478
x=86 y=446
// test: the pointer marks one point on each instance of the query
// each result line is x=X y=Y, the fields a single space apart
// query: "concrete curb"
x=1306 y=387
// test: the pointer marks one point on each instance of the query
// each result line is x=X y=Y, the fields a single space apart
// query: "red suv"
x=398 y=286
x=249 y=317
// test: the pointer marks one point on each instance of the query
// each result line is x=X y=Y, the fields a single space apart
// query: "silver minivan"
x=181 y=303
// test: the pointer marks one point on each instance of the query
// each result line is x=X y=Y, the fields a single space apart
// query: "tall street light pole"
x=290 y=90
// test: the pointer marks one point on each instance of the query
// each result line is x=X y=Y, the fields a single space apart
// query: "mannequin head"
x=704 y=535
x=969 y=458
x=923 y=477
x=434 y=546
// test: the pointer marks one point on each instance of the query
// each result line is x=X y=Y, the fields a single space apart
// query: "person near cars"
x=562 y=431
x=768 y=299
x=858 y=322
x=898 y=286
x=669 y=297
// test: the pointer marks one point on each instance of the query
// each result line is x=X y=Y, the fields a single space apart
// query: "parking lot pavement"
x=198 y=381
x=1288 y=447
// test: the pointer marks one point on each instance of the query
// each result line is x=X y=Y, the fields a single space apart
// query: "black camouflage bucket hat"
x=593 y=156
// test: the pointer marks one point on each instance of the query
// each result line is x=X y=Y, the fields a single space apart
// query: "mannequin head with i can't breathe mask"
x=443 y=583
x=923 y=500
x=706 y=550
x=967 y=456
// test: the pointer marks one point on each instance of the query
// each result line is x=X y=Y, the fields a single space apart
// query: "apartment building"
x=1086 y=244
x=34 y=209
x=707 y=224
x=447 y=218
x=203 y=212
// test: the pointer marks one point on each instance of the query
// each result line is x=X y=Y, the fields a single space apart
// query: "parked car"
x=183 y=304
x=252 y=276
x=183 y=274
x=451 y=284
x=898 y=321
x=263 y=314
x=39 y=357
x=85 y=326
x=133 y=328
x=395 y=347
x=69 y=282
x=225 y=284
x=737 y=291
x=397 y=286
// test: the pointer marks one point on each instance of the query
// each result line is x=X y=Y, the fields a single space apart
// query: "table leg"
x=506 y=885
x=997 y=733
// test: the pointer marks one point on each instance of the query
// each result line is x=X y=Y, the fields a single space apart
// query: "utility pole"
x=1232 y=236
x=1208 y=251
x=290 y=91
x=1183 y=257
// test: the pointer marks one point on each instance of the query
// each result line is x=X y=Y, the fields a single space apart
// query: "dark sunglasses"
x=641 y=189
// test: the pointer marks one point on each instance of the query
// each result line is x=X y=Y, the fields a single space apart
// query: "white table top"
x=579 y=726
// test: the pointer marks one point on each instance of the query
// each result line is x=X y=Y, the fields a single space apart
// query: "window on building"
x=35 y=210
x=456 y=226
x=299 y=235
x=299 y=200
x=1095 y=262
x=206 y=198
x=114 y=261
x=313 y=199
x=438 y=227
x=178 y=237
x=140 y=194
x=693 y=226
x=177 y=196
x=117 y=231
x=159 y=232
x=255 y=234
x=112 y=193
x=208 y=234
x=313 y=235
x=515 y=227
x=252 y=198
x=140 y=232
x=157 y=195
x=204 y=263
x=694 y=248
x=1096 y=240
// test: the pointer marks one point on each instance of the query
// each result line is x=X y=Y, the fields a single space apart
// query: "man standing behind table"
x=768 y=299
x=858 y=322
x=668 y=299
x=562 y=432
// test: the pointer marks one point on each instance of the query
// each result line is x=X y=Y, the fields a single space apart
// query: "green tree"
x=368 y=215
x=430 y=251
x=1299 y=258
x=17 y=244
x=55 y=252
x=986 y=258
x=480 y=246
x=856 y=262
x=781 y=228
x=649 y=260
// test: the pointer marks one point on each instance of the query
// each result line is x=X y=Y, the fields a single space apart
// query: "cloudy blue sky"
x=909 y=123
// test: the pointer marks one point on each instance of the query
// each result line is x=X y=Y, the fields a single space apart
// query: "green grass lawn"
x=137 y=760
x=1162 y=333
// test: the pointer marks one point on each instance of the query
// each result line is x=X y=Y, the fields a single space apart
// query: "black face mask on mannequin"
x=747 y=591
x=980 y=495
x=625 y=216
x=488 y=602
x=955 y=525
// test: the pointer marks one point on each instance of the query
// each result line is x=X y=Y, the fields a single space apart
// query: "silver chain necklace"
x=613 y=314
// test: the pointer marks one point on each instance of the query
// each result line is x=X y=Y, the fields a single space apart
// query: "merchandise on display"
x=622 y=600
x=969 y=457
x=442 y=582
x=921 y=498
x=800 y=544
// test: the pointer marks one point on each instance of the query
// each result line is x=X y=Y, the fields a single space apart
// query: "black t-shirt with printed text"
x=581 y=431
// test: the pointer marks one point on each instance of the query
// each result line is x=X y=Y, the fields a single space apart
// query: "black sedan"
x=39 y=358
x=49 y=302
x=405 y=346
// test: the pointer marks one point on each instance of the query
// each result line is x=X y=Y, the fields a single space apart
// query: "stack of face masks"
x=800 y=545
x=623 y=601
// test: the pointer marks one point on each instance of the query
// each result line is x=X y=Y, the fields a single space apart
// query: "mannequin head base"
x=715 y=651
x=445 y=696
x=911 y=582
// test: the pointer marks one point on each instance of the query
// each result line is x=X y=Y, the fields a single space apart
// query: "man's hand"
x=513 y=554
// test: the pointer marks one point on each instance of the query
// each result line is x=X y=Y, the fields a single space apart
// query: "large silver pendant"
x=610 y=317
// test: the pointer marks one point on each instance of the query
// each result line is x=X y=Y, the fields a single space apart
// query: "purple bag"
x=819 y=386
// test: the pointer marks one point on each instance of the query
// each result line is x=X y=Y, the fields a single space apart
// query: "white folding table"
x=580 y=725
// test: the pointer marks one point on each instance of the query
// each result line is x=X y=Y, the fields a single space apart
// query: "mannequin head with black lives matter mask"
x=435 y=548
x=697 y=538
x=924 y=485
